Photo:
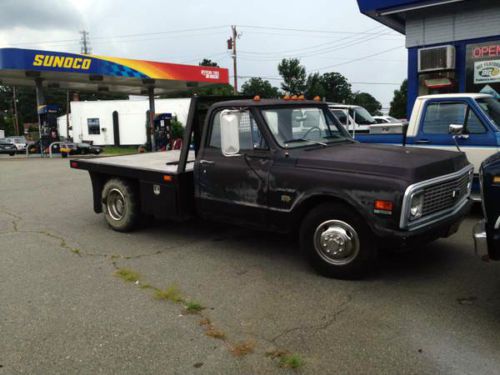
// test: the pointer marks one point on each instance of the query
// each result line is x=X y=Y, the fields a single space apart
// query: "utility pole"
x=16 y=117
x=85 y=42
x=231 y=44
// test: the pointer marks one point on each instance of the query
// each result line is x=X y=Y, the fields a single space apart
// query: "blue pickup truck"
x=469 y=121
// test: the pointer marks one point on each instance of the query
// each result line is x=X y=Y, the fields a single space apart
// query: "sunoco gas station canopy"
x=24 y=67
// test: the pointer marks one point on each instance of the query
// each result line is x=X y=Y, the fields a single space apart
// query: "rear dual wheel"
x=338 y=242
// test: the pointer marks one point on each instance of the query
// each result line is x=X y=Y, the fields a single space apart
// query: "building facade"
x=453 y=45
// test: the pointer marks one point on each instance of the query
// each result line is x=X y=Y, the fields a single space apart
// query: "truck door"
x=234 y=188
x=478 y=141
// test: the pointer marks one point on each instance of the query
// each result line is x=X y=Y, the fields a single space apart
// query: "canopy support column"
x=151 y=94
x=40 y=101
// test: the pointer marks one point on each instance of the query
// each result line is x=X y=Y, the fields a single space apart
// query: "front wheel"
x=120 y=205
x=337 y=242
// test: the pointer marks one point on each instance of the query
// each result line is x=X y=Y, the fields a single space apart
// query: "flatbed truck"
x=289 y=166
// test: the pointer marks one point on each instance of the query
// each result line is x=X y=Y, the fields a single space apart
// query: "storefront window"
x=483 y=68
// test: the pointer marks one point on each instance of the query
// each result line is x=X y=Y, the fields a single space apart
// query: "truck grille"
x=445 y=195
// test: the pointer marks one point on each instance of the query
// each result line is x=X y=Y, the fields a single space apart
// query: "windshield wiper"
x=295 y=140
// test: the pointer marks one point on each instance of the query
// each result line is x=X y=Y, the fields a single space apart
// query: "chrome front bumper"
x=480 y=240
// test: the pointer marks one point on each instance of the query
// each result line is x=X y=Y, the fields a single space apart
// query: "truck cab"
x=290 y=166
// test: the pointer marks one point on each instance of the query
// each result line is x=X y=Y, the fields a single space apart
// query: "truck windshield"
x=298 y=127
x=362 y=116
x=492 y=108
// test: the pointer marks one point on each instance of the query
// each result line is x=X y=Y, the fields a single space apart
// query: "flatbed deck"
x=162 y=162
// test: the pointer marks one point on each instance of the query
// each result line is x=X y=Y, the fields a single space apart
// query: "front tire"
x=120 y=205
x=338 y=242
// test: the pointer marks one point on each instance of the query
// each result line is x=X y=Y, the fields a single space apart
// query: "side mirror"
x=230 y=132
x=456 y=129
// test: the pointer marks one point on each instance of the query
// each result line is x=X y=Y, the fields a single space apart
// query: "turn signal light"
x=383 y=206
x=167 y=178
x=496 y=180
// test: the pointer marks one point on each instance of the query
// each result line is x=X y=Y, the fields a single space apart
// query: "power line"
x=162 y=32
x=305 y=30
x=332 y=48
x=306 y=48
x=180 y=31
x=357 y=59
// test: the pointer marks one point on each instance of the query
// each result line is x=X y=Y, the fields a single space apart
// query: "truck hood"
x=408 y=163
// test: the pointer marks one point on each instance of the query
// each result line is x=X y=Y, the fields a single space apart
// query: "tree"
x=314 y=86
x=294 y=76
x=337 y=88
x=399 y=101
x=367 y=101
x=259 y=86
x=208 y=62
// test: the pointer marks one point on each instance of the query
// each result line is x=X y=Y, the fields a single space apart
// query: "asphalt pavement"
x=64 y=309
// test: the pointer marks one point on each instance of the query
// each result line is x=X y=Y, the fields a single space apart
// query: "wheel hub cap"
x=336 y=242
x=115 y=204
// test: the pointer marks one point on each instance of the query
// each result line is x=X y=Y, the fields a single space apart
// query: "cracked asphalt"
x=435 y=310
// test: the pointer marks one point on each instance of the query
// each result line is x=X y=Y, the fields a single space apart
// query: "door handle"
x=421 y=141
x=207 y=162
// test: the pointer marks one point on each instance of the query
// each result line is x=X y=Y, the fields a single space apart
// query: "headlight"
x=417 y=205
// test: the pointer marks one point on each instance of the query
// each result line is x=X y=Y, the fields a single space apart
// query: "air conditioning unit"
x=436 y=58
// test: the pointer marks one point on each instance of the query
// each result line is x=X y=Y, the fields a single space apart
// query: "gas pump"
x=163 y=131
x=48 y=121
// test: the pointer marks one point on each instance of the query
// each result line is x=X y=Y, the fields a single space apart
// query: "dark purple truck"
x=289 y=166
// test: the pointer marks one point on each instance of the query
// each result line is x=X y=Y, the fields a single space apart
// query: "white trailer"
x=93 y=120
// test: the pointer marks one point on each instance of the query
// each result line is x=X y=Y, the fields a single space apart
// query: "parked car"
x=487 y=231
x=71 y=148
x=7 y=147
x=20 y=142
x=289 y=166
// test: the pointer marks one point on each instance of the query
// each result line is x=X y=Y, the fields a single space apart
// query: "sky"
x=326 y=35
